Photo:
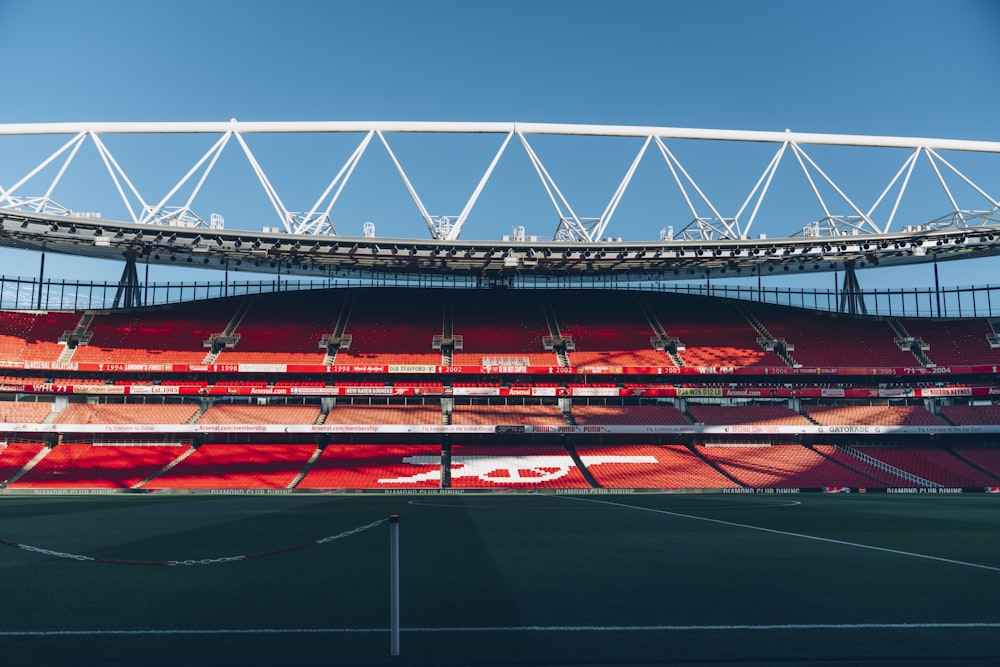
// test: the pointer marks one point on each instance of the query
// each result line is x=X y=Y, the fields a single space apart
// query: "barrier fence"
x=18 y=293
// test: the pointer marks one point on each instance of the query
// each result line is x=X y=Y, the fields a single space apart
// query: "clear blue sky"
x=905 y=67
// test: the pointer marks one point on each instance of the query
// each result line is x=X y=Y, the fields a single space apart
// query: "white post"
x=394 y=582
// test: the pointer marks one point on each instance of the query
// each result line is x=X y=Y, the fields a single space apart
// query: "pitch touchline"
x=782 y=532
x=521 y=628
x=515 y=628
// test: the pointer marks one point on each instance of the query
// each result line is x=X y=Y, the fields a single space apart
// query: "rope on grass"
x=194 y=561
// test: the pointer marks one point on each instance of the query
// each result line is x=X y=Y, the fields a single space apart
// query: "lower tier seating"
x=931 y=463
x=986 y=459
x=650 y=467
x=782 y=466
x=375 y=467
x=14 y=456
x=225 y=466
x=89 y=466
x=516 y=466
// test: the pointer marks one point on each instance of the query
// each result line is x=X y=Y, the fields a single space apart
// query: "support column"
x=446 y=461
x=852 y=301
x=41 y=280
x=129 y=287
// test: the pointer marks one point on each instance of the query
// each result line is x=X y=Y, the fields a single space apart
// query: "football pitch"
x=501 y=579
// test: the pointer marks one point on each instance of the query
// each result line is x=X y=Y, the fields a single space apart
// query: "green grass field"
x=504 y=579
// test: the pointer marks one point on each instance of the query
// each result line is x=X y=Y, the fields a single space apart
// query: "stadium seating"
x=954 y=342
x=607 y=329
x=626 y=415
x=169 y=335
x=14 y=456
x=933 y=464
x=528 y=415
x=826 y=340
x=871 y=415
x=235 y=413
x=514 y=467
x=232 y=466
x=746 y=414
x=986 y=459
x=394 y=326
x=127 y=413
x=869 y=476
x=384 y=414
x=375 y=467
x=285 y=328
x=33 y=336
x=505 y=328
x=26 y=412
x=969 y=415
x=675 y=467
x=781 y=466
x=713 y=332
x=84 y=465
x=392 y=332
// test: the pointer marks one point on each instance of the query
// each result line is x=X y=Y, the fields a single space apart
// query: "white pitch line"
x=829 y=540
x=511 y=629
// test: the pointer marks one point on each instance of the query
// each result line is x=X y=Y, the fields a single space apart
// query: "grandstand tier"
x=497 y=389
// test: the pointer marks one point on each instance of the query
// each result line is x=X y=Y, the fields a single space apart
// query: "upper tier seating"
x=169 y=335
x=871 y=415
x=505 y=327
x=285 y=328
x=71 y=465
x=375 y=467
x=608 y=329
x=713 y=332
x=955 y=342
x=225 y=466
x=33 y=336
x=394 y=326
x=384 y=414
x=514 y=467
x=828 y=340
x=529 y=415
x=746 y=414
x=628 y=415
x=675 y=467
x=127 y=413
x=233 y=413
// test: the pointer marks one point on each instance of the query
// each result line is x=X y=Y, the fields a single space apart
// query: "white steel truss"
x=837 y=215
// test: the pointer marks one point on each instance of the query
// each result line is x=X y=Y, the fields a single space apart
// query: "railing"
x=967 y=301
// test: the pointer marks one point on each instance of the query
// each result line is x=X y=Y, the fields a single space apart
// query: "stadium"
x=564 y=395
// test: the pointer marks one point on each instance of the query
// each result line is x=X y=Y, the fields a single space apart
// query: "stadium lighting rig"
x=167 y=230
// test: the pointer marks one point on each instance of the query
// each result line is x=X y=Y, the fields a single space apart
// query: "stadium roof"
x=165 y=229
x=304 y=254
